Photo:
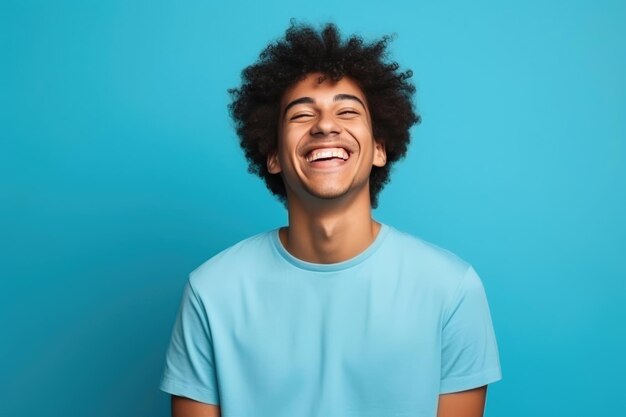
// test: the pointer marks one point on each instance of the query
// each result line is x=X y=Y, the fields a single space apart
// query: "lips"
x=325 y=154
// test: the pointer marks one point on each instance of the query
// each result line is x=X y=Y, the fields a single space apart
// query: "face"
x=326 y=148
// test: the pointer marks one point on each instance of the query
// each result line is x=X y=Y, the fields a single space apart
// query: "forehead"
x=326 y=90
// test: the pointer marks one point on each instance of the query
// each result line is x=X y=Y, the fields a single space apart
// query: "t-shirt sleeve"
x=469 y=357
x=189 y=363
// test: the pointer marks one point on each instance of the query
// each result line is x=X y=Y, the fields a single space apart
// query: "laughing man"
x=336 y=314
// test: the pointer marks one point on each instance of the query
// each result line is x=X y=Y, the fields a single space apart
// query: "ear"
x=273 y=165
x=380 y=155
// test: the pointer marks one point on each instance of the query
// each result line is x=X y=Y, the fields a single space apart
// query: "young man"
x=335 y=314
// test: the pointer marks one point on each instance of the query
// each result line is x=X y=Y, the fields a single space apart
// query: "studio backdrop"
x=120 y=173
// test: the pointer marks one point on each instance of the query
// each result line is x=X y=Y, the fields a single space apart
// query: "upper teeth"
x=327 y=153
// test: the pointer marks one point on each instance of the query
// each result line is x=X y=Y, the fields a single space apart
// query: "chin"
x=328 y=193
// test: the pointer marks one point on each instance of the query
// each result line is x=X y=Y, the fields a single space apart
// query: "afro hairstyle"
x=255 y=106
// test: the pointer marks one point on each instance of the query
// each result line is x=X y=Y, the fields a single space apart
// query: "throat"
x=329 y=242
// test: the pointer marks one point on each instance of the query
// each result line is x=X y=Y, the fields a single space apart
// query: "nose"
x=325 y=125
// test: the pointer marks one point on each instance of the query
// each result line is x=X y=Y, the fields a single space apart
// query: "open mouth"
x=327 y=154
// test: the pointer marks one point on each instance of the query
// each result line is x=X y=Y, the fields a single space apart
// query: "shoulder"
x=428 y=261
x=233 y=262
x=427 y=254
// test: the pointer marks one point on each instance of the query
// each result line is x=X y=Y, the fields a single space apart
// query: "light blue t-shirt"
x=262 y=333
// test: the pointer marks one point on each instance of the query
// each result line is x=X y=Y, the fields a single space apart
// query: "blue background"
x=120 y=173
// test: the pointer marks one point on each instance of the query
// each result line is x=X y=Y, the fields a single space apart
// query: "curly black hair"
x=255 y=104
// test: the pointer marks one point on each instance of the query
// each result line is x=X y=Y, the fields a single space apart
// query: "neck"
x=327 y=232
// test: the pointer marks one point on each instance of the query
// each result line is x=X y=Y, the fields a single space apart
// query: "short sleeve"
x=469 y=357
x=189 y=363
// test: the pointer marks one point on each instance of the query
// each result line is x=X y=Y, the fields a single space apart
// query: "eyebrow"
x=309 y=100
x=301 y=100
x=339 y=97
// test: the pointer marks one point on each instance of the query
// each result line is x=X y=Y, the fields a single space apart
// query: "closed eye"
x=348 y=113
x=300 y=116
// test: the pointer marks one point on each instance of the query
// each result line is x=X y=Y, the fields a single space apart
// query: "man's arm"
x=185 y=407
x=469 y=403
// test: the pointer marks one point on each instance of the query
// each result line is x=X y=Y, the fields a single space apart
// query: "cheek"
x=361 y=132
x=359 y=124
x=289 y=139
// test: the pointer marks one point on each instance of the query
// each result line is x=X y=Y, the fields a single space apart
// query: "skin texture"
x=185 y=407
x=329 y=205
x=469 y=403
x=328 y=202
x=325 y=115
